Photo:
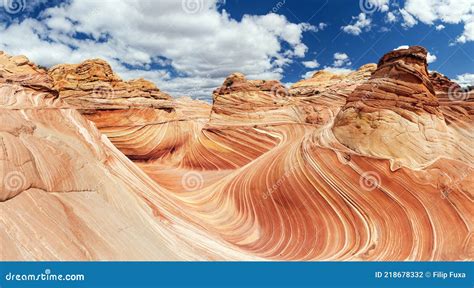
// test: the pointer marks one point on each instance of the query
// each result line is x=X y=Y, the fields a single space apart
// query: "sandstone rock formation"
x=240 y=101
x=373 y=165
x=133 y=114
x=92 y=85
x=66 y=193
x=396 y=115
x=456 y=103
x=321 y=96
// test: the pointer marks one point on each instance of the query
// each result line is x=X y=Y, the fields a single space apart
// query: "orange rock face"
x=133 y=114
x=396 y=115
x=321 y=97
x=372 y=165
x=66 y=193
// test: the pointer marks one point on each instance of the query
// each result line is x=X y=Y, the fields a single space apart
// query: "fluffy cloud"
x=430 y=12
x=447 y=11
x=391 y=17
x=341 y=59
x=339 y=66
x=363 y=23
x=466 y=79
x=308 y=74
x=310 y=64
x=408 y=19
x=337 y=70
x=430 y=58
x=322 y=26
x=184 y=48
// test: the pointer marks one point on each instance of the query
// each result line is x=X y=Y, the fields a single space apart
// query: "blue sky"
x=188 y=47
x=452 y=58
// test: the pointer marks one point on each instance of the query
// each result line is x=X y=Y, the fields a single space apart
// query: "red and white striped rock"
x=258 y=177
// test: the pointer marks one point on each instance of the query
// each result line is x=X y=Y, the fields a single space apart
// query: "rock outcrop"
x=240 y=101
x=457 y=103
x=92 y=85
x=396 y=115
x=321 y=96
x=133 y=114
x=372 y=165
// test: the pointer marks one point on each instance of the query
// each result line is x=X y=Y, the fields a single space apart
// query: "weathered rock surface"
x=321 y=96
x=269 y=174
x=396 y=115
x=133 y=114
x=240 y=101
x=93 y=85
x=66 y=193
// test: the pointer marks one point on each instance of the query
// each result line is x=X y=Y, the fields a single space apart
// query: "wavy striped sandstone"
x=132 y=114
x=304 y=173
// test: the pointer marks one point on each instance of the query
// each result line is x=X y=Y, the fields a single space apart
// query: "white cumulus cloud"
x=445 y=11
x=341 y=59
x=464 y=80
x=310 y=64
x=363 y=23
x=199 y=44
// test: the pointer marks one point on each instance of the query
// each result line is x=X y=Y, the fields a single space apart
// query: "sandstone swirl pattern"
x=373 y=165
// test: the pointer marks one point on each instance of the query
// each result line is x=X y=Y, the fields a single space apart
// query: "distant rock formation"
x=92 y=85
x=396 y=115
x=251 y=102
x=132 y=113
x=321 y=96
